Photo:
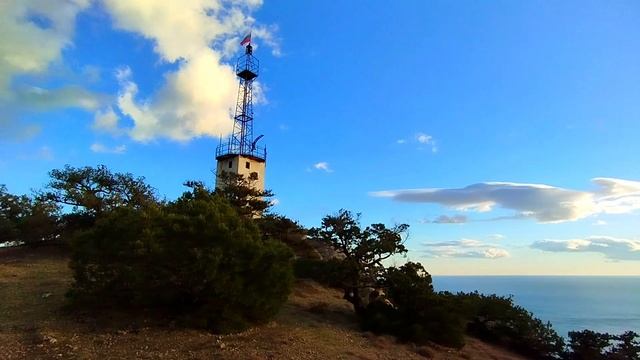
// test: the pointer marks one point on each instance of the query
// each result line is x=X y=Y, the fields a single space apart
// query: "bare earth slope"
x=315 y=324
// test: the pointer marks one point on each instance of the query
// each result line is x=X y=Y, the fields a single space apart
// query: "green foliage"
x=241 y=193
x=497 y=319
x=333 y=272
x=93 y=191
x=364 y=250
x=414 y=312
x=626 y=347
x=591 y=345
x=26 y=220
x=289 y=232
x=278 y=227
x=195 y=257
x=588 y=345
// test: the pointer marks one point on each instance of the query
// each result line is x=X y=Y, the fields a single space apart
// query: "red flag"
x=246 y=40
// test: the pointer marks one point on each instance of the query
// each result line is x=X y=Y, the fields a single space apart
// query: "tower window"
x=230 y=164
x=253 y=176
x=247 y=165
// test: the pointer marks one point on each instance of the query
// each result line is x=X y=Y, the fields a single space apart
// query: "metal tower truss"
x=241 y=141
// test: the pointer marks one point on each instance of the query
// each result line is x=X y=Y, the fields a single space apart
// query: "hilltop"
x=315 y=323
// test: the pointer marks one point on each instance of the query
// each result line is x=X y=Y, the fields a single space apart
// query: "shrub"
x=27 y=220
x=333 y=272
x=497 y=319
x=626 y=347
x=415 y=313
x=194 y=257
x=588 y=345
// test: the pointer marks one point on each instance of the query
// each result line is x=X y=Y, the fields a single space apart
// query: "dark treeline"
x=206 y=260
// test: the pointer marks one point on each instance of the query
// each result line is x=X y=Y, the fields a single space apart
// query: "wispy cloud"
x=446 y=219
x=34 y=36
x=43 y=153
x=611 y=247
x=323 y=165
x=426 y=139
x=546 y=204
x=102 y=149
x=422 y=140
x=107 y=121
x=465 y=248
x=41 y=99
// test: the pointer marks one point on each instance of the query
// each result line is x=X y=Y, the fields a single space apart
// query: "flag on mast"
x=246 y=40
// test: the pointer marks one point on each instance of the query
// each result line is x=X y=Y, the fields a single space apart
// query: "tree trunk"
x=352 y=295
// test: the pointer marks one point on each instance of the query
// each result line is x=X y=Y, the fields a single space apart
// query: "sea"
x=600 y=303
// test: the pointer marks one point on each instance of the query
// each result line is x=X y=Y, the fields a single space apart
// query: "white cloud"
x=102 y=149
x=496 y=237
x=401 y=141
x=465 y=248
x=546 y=204
x=197 y=99
x=33 y=36
x=28 y=46
x=446 y=219
x=424 y=138
x=267 y=35
x=37 y=98
x=600 y=223
x=107 y=120
x=611 y=247
x=323 y=165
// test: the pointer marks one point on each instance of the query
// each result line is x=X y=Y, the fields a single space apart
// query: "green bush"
x=415 y=313
x=499 y=320
x=332 y=272
x=591 y=345
x=194 y=257
x=26 y=220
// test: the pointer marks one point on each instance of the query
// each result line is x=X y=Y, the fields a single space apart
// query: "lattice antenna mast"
x=241 y=141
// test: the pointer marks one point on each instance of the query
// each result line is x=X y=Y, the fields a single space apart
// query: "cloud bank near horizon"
x=544 y=203
x=611 y=247
x=465 y=248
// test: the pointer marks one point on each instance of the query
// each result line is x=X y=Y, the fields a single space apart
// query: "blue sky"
x=486 y=101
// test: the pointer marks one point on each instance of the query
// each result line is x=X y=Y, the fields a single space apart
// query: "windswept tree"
x=588 y=345
x=92 y=191
x=241 y=193
x=364 y=250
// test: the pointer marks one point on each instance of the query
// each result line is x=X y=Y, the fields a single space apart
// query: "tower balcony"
x=226 y=150
x=247 y=67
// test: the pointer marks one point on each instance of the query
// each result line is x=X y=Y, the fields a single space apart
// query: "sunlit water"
x=604 y=304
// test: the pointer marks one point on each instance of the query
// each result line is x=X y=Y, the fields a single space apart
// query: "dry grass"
x=314 y=324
